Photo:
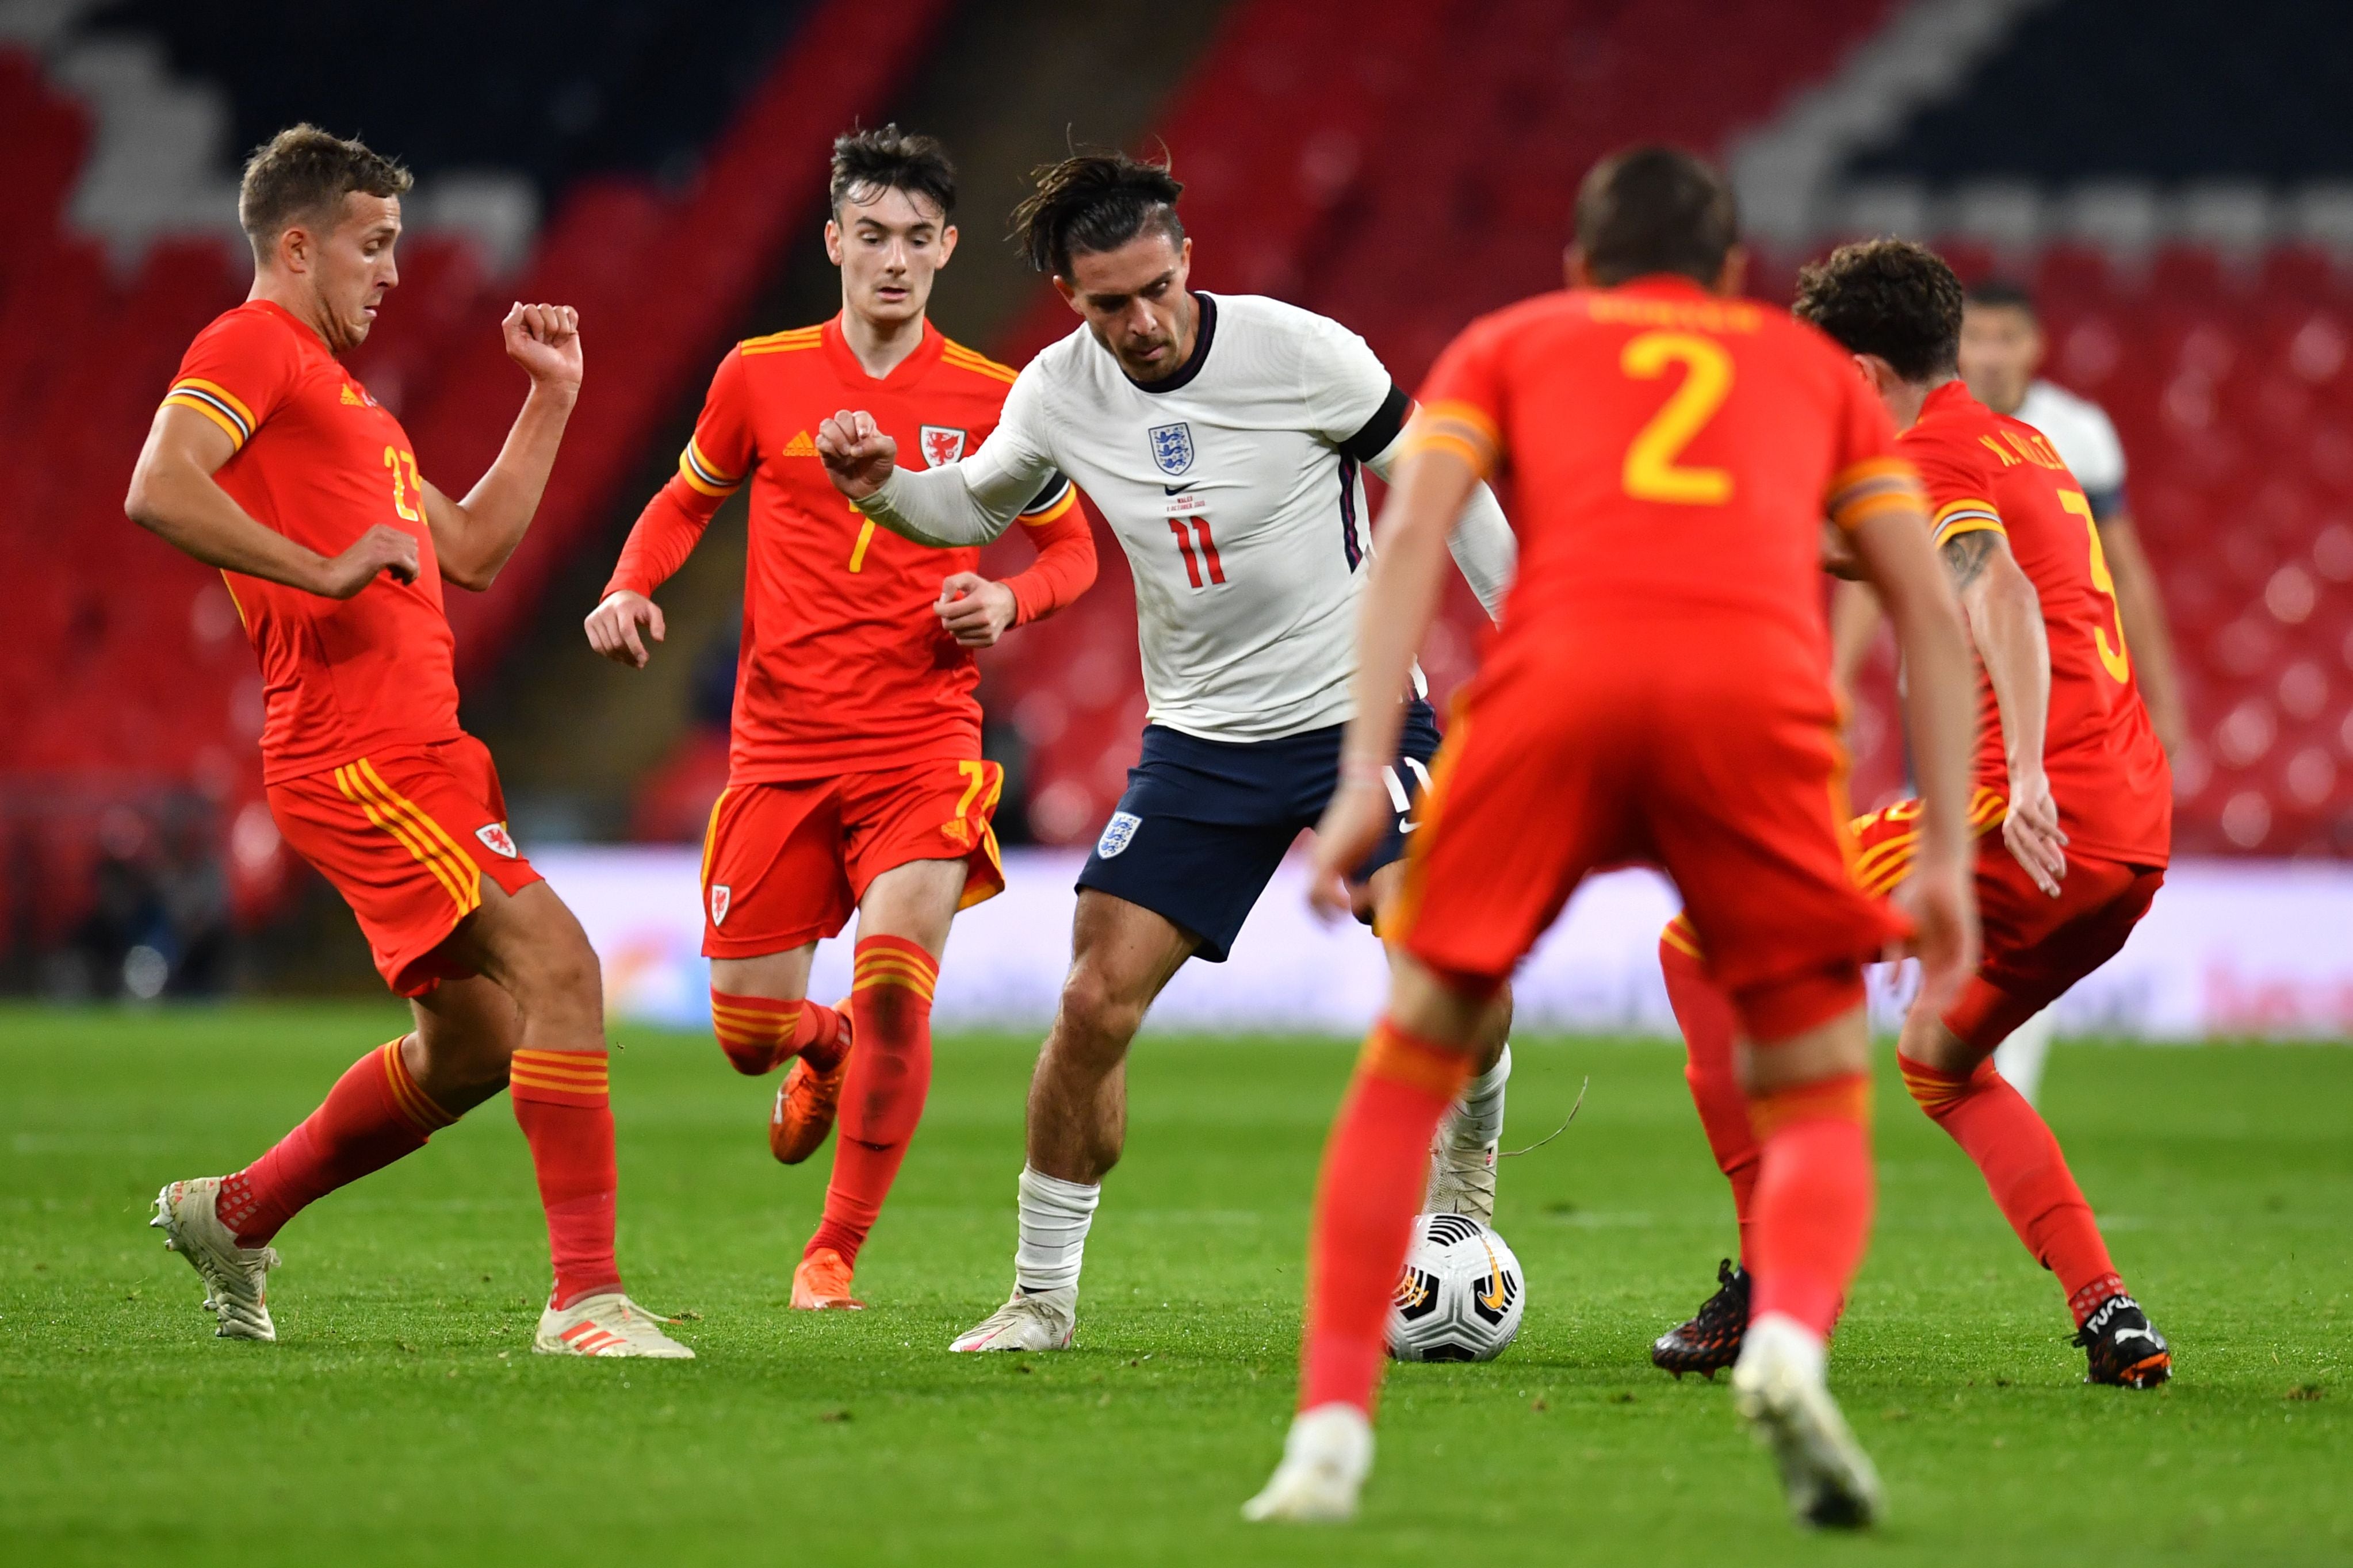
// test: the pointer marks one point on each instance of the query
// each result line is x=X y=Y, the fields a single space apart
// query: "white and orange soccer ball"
x=1461 y=1296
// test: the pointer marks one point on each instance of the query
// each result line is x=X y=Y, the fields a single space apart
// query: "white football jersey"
x=1242 y=516
x=2085 y=438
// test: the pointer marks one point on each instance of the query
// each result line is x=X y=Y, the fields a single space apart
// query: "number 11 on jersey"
x=1193 y=541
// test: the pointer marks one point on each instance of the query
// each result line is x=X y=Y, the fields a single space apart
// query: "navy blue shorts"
x=1205 y=823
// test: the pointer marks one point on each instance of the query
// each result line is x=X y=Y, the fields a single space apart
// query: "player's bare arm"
x=475 y=537
x=1434 y=478
x=2005 y=618
x=2141 y=605
x=1938 y=703
x=174 y=495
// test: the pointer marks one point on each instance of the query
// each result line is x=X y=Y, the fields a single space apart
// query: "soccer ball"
x=1461 y=1296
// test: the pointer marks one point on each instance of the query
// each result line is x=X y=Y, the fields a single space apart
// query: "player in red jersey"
x=2069 y=769
x=1658 y=690
x=268 y=461
x=855 y=781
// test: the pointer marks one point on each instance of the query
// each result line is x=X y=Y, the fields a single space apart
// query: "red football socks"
x=563 y=1105
x=882 y=1097
x=1813 y=1198
x=373 y=1115
x=1709 y=1026
x=759 y=1033
x=1374 y=1170
x=2027 y=1175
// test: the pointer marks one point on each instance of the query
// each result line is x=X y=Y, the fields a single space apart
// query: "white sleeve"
x=974 y=500
x=2101 y=463
x=1342 y=382
x=1484 y=548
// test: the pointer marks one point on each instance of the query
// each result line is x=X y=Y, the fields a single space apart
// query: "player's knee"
x=1097 y=1018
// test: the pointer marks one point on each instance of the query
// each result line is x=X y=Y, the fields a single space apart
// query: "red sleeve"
x=1065 y=567
x=236 y=372
x=718 y=458
x=1465 y=399
x=1958 y=478
x=1870 y=475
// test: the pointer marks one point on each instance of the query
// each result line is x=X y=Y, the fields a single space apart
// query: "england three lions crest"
x=943 y=445
x=1172 y=447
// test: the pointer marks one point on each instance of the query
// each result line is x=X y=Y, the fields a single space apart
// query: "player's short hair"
x=1890 y=297
x=2002 y=294
x=1093 y=201
x=867 y=163
x=1656 y=209
x=304 y=173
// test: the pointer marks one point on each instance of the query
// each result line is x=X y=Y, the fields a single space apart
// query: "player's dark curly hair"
x=867 y=163
x=1656 y=209
x=1094 y=201
x=304 y=173
x=1890 y=297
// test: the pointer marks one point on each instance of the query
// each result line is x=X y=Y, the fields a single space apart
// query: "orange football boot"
x=821 y=1284
x=807 y=1103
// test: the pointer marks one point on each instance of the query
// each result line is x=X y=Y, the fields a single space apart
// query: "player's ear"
x=833 y=241
x=948 y=244
x=294 y=248
x=1732 y=276
x=1070 y=295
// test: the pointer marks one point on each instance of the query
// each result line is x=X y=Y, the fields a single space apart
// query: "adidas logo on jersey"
x=801 y=446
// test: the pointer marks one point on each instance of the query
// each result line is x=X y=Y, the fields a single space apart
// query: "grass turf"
x=401 y=1419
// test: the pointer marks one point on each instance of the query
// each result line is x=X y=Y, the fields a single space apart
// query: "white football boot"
x=236 y=1279
x=1325 y=1460
x=1777 y=1387
x=1044 y=1322
x=1461 y=1171
x=607 y=1325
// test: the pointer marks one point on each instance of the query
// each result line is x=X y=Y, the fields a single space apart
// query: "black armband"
x=1382 y=428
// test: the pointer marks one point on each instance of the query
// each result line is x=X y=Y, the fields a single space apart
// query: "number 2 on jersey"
x=1187 y=530
x=2115 y=657
x=1652 y=472
x=394 y=458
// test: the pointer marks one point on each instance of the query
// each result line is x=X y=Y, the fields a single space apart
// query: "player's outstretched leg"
x=223 y=1226
x=1957 y=1084
x=1709 y=1341
x=1364 y=1199
x=1463 y=1154
x=1811 y=1107
x=1122 y=954
x=539 y=1003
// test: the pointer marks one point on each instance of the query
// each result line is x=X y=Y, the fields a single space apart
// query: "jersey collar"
x=904 y=375
x=1184 y=373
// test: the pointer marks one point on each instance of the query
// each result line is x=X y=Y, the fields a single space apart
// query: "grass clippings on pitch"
x=401 y=1419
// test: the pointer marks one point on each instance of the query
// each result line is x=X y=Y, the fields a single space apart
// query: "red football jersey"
x=2108 y=774
x=845 y=667
x=1672 y=455
x=322 y=462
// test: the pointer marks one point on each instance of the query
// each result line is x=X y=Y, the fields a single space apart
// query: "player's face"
x=350 y=268
x=888 y=248
x=2002 y=348
x=1135 y=302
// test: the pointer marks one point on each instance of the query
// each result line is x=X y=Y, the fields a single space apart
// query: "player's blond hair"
x=304 y=173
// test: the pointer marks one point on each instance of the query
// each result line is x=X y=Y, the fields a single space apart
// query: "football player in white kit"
x=2002 y=348
x=1224 y=439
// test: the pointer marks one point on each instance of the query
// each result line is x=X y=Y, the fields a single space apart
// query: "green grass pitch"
x=400 y=1419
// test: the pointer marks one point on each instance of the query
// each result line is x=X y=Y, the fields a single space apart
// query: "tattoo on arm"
x=1966 y=554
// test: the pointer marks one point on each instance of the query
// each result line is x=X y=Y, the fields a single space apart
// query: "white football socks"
x=1055 y=1215
x=1476 y=1121
x=2019 y=1059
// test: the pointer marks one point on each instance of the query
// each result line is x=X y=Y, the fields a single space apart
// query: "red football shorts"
x=407 y=840
x=1687 y=756
x=2036 y=946
x=785 y=864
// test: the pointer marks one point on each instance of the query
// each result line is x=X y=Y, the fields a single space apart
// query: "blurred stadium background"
x=2174 y=179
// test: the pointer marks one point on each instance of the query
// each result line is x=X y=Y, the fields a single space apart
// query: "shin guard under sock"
x=562 y=1102
x=1374 y=1169
x=373 y=1115
x=2028 y=1176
